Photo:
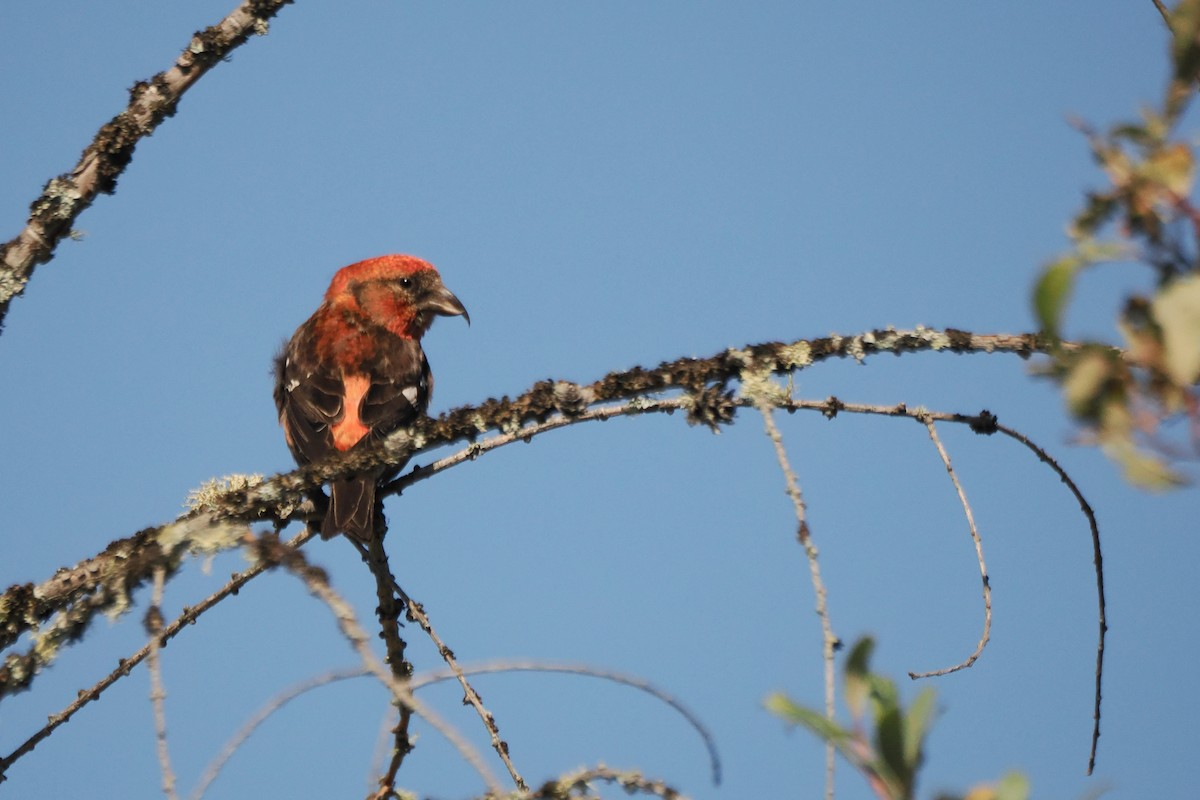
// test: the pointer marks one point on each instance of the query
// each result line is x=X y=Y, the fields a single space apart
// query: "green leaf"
x=884 y=697
x=1185 y=30
x=916 y=725
x=889 y=745
x=1185 y=52
x=1084 y=382
x=782 y=706
x=1099 y=210
x=1142 y=469
x=1176 y=309
x=1052 y=291
x=1173 y=167
x=1133 y=133
x=857 y=676
x=1013 y=786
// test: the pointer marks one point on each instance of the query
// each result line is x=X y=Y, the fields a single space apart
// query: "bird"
x=355 y=371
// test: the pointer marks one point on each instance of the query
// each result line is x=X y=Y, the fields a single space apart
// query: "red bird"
x=355 y=371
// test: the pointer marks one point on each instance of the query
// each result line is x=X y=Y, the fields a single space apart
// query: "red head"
x=398 y=292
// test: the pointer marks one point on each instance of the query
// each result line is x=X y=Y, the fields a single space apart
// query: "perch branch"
x=102 y=583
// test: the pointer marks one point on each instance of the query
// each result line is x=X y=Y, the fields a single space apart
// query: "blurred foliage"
x=890 y=754
x=1145 y=217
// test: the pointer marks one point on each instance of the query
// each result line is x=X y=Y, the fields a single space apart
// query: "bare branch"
x=262 y=715
x=985 y=423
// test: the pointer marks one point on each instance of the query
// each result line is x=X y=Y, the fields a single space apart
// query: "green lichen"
x=209 y=493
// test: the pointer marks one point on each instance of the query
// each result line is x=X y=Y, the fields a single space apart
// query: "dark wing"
x=399 y=393
x=308 y=397
x=400 y=390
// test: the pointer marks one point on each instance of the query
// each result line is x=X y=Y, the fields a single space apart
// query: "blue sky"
x=603 y=185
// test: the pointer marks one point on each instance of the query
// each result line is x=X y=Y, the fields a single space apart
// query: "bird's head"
x=397 y=292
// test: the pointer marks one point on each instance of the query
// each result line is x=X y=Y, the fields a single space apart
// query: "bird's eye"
x=406 y=283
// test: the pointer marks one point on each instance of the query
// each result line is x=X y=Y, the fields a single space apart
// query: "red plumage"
x=355 y=371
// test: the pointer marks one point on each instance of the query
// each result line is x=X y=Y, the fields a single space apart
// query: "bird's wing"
x=308 y=397
x=399 y=390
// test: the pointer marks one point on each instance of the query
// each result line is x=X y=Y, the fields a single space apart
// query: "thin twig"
x=983 y=574
x=829 y=642
x=158 y=695
x=1098 y=565
x=416 y=612
x=268 y=548
x=251 y=725
x=1166 y=12
x=986 y=423
x=418 y=682
x=714 y=759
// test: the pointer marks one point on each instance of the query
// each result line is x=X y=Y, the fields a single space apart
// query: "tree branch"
x=52 y=215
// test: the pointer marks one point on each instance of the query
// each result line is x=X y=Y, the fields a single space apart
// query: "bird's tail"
x=351 y=509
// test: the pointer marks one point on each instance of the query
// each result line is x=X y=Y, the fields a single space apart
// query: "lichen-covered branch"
x=125 y=665
x=576 y=785
x=104 y=582
x=52 y=215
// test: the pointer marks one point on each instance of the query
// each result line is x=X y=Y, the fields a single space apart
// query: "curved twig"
x=714 y=759
x=419 y=682
x=262 y=715
x=983 y=574
x=1098 y=564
